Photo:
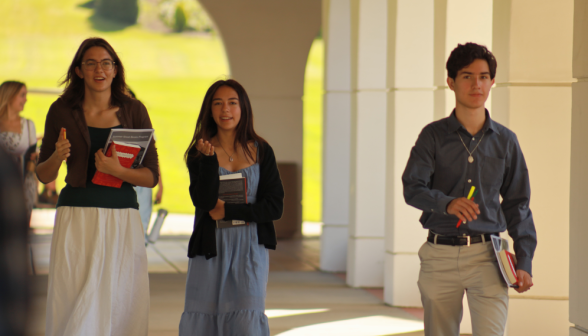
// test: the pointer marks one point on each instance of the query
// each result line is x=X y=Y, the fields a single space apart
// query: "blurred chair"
x=156 y=228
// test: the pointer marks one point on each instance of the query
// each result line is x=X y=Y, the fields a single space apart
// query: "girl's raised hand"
x=205 y=147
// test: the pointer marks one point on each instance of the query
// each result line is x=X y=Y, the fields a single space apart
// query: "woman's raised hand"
x=62 y=147
x=205 y=147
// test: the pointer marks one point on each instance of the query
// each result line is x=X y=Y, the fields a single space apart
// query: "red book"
x=510 y=266
x=127 y=153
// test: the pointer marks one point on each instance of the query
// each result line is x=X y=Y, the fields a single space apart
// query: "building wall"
x=578 y=304
x=532 y=41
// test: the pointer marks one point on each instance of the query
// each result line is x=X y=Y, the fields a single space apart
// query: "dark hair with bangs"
x=206 y=127
x=74 y=91
x=466 y=54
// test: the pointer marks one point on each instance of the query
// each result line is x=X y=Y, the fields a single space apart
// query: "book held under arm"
x=507 y=262
x=232 y=189
x=131 y=145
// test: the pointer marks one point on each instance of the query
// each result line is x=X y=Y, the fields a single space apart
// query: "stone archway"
x=267 y=44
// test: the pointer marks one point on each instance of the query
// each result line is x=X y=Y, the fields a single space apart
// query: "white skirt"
x=98 y=280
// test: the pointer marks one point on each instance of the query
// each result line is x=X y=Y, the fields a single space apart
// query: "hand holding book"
x=525 y=281
x=108 y=164
x=232 y=190
x=219 y=210
x=111 y=165
x=515 y=278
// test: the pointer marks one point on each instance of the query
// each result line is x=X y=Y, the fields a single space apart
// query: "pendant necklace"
x=230 y=156
x=470 y=158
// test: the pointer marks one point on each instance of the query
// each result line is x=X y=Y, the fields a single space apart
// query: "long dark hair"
x=206 y=127
x=74 y=91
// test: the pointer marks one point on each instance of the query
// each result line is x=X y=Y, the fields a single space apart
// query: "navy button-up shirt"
x=438 y=171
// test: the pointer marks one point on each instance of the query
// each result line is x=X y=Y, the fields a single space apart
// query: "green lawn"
x=168 y=72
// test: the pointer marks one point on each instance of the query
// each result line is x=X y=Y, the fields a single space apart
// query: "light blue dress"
x=225 y=295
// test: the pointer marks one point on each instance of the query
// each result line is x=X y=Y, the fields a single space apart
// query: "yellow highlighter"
x=64 y=137
x=472 y=189
x=471 y=193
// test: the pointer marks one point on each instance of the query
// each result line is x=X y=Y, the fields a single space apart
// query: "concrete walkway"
x=301 y=300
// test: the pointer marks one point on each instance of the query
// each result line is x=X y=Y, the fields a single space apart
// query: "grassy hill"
x=168 y=72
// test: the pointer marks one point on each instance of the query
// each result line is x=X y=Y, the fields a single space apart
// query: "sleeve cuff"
x=525 y=265
x=209 y=160
x=232 y=211
x=442 y=204
x=229 y=211
x=155 y=178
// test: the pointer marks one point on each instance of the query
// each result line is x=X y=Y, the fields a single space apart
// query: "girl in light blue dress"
x=228 y=267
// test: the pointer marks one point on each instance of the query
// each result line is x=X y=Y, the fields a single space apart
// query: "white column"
x=532 y=41
x=411 y=108
x=579 y=179
x=336 y=134
x=365 y=263
x=479 y=30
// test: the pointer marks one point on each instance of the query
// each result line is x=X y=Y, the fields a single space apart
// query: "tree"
x=125 y=11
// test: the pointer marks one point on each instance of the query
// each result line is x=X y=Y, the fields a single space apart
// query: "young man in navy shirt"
x=450 y=156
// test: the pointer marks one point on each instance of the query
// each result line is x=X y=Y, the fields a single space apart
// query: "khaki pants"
x=446 y=271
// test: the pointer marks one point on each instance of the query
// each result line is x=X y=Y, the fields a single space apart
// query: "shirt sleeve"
x=418 y=174
x=516 y=196
x=204 y=181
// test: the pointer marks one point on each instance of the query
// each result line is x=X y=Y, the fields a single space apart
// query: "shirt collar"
x=454 y=125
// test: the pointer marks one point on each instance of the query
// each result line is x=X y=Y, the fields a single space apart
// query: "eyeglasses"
x=105 y=64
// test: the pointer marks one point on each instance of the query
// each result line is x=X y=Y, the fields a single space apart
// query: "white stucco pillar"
x=579 y=178
x=411 y=107
x=461 y=21
x=532 y=41
x=338 y=98
x=365 y=257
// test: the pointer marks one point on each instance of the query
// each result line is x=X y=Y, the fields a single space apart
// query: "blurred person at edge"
x=14 y=291
x=98 y=280
x=18 y=137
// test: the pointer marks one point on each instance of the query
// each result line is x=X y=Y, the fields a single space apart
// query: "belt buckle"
x=468 y=238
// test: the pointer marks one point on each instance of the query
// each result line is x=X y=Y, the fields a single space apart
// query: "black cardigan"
x=204 y=183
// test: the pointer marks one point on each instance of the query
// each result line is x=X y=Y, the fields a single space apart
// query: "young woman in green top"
x=98 y=281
